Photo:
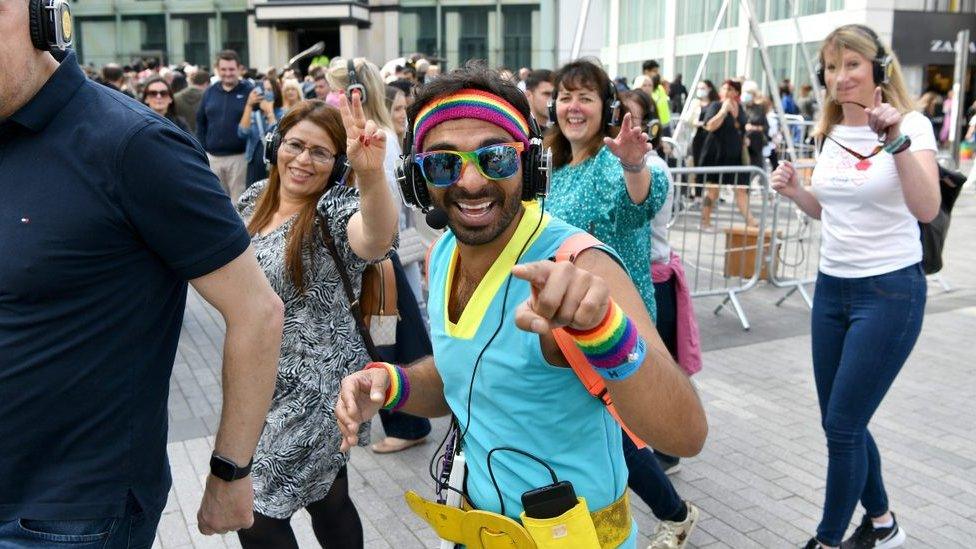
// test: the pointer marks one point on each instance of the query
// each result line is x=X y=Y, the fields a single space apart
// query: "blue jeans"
x=136 y=529
x=863 y=330
x=648 y=481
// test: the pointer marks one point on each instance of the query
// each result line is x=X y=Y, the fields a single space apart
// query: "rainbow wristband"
x=613 y=347
x=399 y=390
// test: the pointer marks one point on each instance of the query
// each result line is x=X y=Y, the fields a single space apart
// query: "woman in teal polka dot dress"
x=601 y=184
x=591 y=186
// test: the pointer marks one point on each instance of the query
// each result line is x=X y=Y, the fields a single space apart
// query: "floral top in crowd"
x=593 y=196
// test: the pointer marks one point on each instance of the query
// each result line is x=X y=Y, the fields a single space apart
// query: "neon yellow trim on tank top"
x=467 y=326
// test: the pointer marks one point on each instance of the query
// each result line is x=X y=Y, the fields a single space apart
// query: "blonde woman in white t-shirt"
x=875 y=179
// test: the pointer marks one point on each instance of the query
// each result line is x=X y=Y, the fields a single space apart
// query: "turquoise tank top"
x=518 y=399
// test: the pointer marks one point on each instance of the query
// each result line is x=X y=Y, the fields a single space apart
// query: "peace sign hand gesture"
x=883 y=118
x=365 y=140
x=630 y=145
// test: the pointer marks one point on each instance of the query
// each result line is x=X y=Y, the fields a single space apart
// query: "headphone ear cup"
x=528 y=173
x=37 y=26
x=653 y=128
x=340 y=168
x=271 y=145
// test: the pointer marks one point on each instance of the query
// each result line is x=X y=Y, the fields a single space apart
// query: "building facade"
x=676 y=33
x=512 y=33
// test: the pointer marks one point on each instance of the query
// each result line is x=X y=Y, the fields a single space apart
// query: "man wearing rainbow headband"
x=496 y=305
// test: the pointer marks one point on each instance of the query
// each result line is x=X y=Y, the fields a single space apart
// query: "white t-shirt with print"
x=867 y=228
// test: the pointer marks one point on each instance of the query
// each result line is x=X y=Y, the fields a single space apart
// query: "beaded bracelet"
x=399 y=390
x=632 y=168
x=613 y=347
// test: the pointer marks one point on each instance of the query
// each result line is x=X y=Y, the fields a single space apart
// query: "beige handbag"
x=375 y=312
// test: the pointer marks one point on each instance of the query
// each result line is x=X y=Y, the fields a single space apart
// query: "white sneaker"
x=674 y=535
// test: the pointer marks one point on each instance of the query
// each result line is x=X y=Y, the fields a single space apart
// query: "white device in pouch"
x=456 y=482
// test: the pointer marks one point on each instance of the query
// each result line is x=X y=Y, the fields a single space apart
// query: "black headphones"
x=653 y=128
x=611 y=103
x=272 y=142
x=354 y=82
x=50 y=24
x=536 y=162
x=881 y=64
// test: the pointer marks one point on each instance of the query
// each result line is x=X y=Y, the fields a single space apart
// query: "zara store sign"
x=927 y=38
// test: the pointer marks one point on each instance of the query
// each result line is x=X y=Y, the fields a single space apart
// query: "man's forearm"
x=659 y=404
x=250 y=366
x=426 y=390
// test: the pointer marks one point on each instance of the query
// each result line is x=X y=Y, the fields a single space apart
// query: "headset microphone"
x=436 y=218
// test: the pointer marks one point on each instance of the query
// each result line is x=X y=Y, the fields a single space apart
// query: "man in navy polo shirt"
x=106 y=212
x=218 y=116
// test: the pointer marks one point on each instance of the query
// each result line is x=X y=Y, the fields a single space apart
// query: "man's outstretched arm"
x=363 y=393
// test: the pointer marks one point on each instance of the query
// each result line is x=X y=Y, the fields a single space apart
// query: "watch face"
x=222 y=468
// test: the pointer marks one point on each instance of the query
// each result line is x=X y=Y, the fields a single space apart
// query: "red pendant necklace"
x=863 y=162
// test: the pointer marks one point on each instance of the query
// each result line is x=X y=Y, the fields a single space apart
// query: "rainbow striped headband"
x=471 y=103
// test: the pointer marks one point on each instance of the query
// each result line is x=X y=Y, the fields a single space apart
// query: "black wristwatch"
x=226 y=469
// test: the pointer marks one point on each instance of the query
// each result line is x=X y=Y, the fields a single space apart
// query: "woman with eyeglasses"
x=262 y=110
x=875 y=180
x=158 y=96
x=602 y=184
x=298 y=463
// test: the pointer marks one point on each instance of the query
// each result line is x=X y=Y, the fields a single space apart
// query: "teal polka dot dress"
x=593 y=196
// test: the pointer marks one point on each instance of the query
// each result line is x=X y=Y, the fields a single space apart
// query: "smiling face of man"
x=479 y=209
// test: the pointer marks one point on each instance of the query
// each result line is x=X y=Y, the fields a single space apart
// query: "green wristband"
x=900 y=143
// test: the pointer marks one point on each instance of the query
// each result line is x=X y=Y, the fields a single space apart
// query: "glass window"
x=143 y=36
x=418 y=31
x=781 y=59
x=517 y=29
x=192 y=34
x=720 y=66
x=95 y=40
x=700 y=16
x=641 y=20
x=234 y=32
x=472 y=42
x=772 y=10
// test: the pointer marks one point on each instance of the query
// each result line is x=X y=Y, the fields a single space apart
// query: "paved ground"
x=760 y=479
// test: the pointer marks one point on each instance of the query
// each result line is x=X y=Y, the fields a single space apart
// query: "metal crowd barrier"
x=712 y=267
x=793 y=256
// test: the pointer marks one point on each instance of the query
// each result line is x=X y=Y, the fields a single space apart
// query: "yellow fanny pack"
x=577 y=528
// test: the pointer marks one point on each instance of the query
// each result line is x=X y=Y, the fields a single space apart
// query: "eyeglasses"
x=318 y=155
x=157 y=93
x=444 y=168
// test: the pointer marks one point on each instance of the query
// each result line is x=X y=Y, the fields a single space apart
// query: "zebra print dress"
x=298 y=456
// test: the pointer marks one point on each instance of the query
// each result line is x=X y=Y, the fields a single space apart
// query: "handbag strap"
x=354 y=309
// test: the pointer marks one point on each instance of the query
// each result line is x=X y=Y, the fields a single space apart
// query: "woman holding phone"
x=875 y=180
x=262 y=111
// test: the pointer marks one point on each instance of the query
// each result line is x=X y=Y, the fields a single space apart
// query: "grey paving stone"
x=759 y=481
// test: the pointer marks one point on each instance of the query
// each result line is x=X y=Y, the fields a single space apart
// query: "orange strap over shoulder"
x=592 y=382
x=568 y=251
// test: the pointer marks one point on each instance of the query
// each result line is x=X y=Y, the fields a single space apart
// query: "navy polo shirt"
x=106 y=211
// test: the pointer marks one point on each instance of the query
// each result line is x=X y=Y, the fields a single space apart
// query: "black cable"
x=501 y=319
x=491 y=473
x=454 y=425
